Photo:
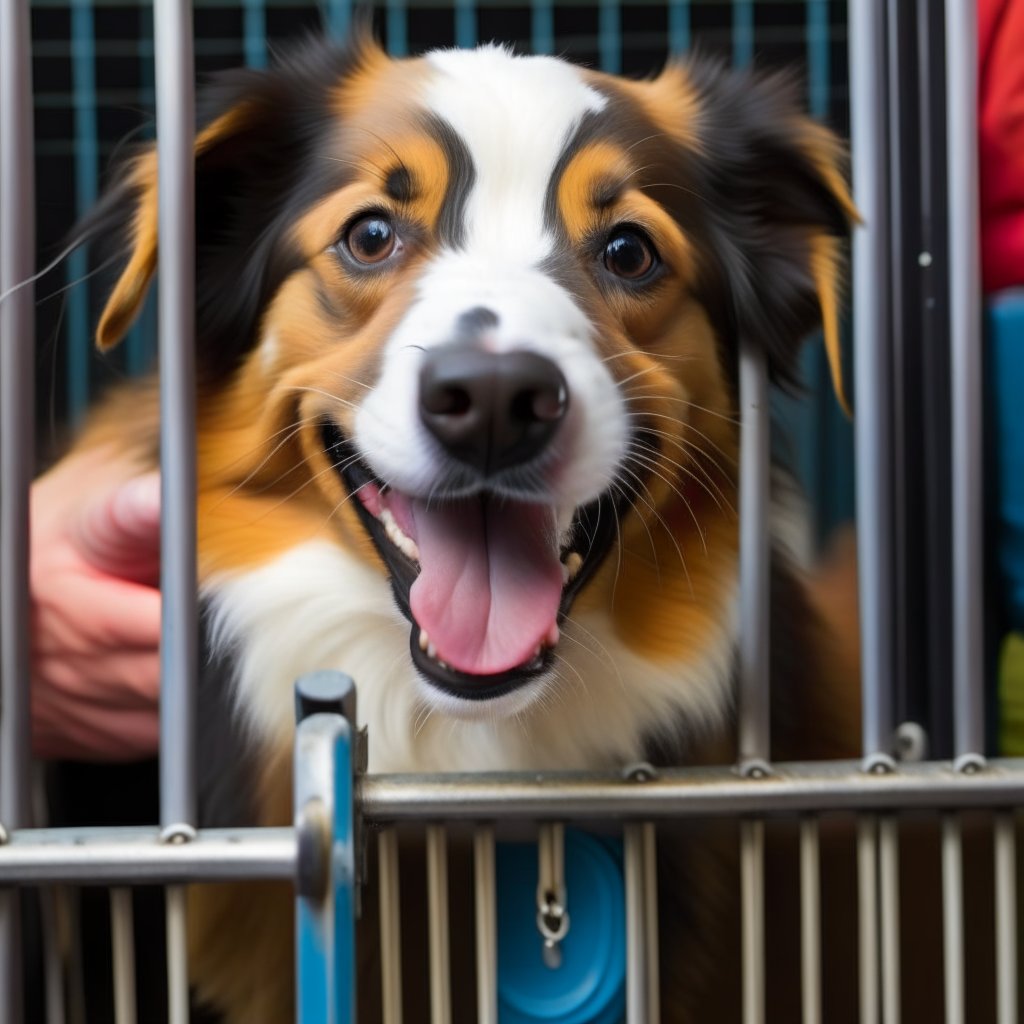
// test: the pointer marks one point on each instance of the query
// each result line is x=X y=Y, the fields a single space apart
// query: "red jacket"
x=1001 y=141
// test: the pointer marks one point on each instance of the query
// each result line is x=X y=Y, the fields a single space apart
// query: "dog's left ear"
x=777 y=212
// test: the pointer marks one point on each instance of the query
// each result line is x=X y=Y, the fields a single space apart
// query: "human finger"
x=119 y=533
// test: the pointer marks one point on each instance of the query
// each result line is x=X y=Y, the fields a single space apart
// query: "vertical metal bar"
x=965 y=432
x=397 y=28
x=437 y=901
x=609 y=31
x=637 y=1007
x=649 y=839
x=873 y=429
x=177 y=956
x=254 y=31
x=953 y=919
x=679 y=26
x=867 y=899
x=965 y=360
x=810 y=922
x=122 y=940
x=17 y=452
x=83 y=73
x=754 y=559
x=889 y=893
x=179 y=657
x=56 y=1001
x=752 y=897
x=742 y=32
x=486 y=927
x=390 y=927
x=178 y=643
x=542 y=26
x=1006 y=918
x=69 y=907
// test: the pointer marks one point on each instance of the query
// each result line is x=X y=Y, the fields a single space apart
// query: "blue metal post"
x=325 y=826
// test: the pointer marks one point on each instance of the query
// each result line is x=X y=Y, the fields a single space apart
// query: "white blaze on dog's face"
x=477 y=316
x=488 y=489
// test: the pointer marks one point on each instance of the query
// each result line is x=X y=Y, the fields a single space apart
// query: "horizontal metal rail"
x=687 y=793
x=136 y=856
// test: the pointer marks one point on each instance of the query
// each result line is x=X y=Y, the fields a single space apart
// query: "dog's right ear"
x=258 y=159
x=136 y=190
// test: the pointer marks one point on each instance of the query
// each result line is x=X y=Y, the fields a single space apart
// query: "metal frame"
x=176 y=853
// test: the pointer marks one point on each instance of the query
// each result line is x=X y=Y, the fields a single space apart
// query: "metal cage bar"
x=966 y=364
x=1006 y=918
x=486 y=926
x=179 y=651
x=755 y=558
x=867 y=916
x=953 y=919
x=810 y=921
x=17 y=390
x=437 y=898
x=642 y=982
x=390 y=927
x=871 y=331
x=889 y=916
x=122 y=940
x=752 y=914
x=179 y=656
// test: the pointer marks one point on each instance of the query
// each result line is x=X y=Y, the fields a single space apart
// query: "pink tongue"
x=490 y=581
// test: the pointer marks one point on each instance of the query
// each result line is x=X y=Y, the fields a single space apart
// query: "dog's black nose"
x=491 y=410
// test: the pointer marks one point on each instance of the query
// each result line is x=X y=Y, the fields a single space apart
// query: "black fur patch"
x=451 y=226
x=751 y=200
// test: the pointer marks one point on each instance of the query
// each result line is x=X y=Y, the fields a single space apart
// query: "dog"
x=467 y=333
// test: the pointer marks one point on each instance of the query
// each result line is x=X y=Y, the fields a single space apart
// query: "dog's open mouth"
x=482 y=579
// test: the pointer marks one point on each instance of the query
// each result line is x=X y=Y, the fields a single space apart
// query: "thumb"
x=119 y=533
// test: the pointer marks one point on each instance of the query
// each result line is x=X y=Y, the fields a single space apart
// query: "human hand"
x=94 y=570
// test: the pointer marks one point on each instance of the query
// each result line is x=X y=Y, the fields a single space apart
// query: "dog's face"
x=494 y=302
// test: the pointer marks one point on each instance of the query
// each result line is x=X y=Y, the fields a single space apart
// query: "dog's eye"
x=629 y=254
x=371 y=239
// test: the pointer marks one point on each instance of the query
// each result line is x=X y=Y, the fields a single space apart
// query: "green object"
x=1011 y=696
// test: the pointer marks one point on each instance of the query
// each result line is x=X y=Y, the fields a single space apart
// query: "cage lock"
x=552 y=902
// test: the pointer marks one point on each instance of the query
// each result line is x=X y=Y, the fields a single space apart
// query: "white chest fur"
x=318 y=607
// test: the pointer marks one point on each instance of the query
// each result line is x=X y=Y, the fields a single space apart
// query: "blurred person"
x=94 y=571
x=1001 y=165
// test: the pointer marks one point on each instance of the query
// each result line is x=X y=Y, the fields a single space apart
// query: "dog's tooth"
x=431 y=651
x=565 y=574
x=443 y=664
x=424 y=640
x=551 y=639
x=573 y=562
